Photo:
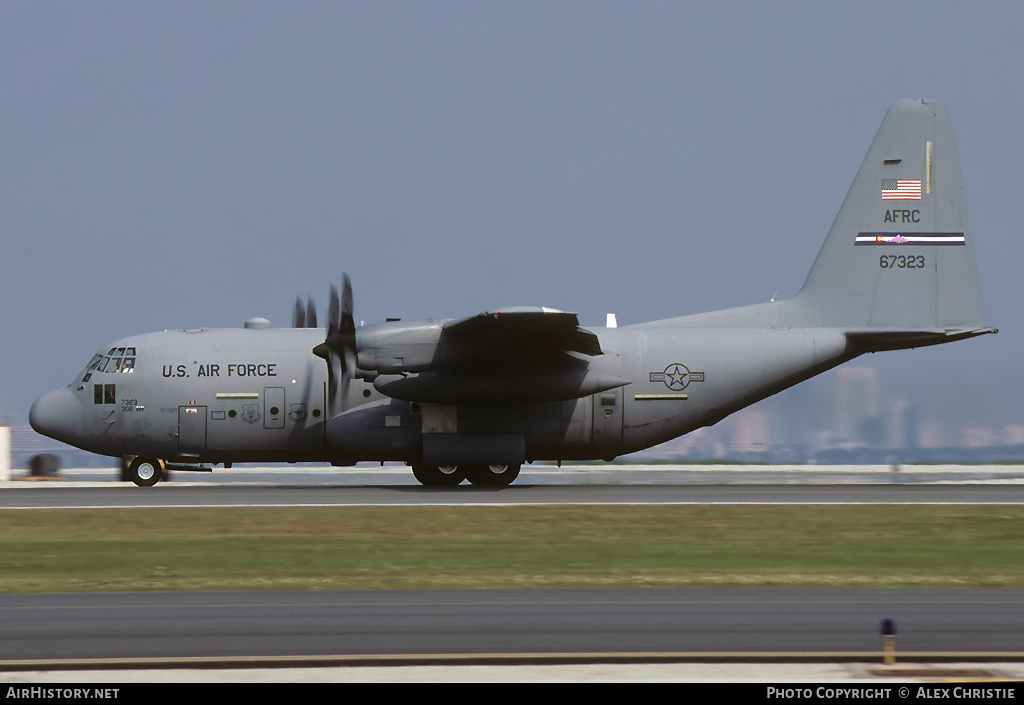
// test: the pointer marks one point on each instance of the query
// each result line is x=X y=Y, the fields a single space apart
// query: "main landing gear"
x=144 y=472
x=494 y=475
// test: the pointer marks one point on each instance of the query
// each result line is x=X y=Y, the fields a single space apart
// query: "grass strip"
x=515 y=547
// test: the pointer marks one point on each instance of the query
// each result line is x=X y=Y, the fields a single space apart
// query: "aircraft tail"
x=899 y=256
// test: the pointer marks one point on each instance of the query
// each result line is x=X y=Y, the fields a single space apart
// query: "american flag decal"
x=901 y=189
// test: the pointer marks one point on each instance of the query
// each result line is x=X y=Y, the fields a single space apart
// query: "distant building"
x=857 y=405
x=1013 y=435
x=749 y=432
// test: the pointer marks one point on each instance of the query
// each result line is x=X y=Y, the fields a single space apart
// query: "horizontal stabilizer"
x=877 y=340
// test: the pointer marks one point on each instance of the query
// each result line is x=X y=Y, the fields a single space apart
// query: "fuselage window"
x=104 y=393
x=93 y=364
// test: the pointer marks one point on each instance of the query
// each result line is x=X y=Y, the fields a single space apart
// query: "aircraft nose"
x=57 y=414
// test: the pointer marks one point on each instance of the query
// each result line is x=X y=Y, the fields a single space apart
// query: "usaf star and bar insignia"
x=676 y=377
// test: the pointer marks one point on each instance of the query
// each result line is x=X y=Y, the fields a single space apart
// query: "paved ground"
x=768 y=674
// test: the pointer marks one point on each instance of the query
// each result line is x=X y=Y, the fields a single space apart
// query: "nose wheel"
x=145 y=472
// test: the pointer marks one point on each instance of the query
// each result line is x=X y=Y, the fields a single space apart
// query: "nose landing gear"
x=144 y=472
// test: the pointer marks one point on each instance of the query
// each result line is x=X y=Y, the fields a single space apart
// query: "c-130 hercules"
x=477 y=397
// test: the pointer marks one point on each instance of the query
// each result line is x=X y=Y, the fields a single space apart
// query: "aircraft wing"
x=532 y=332
x=518 y=354
x=509 y=355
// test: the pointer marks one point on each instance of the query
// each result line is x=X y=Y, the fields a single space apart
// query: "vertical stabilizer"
x=900 y=253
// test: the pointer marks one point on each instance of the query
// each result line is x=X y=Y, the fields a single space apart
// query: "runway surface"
x=543 y=485
x=333 y=496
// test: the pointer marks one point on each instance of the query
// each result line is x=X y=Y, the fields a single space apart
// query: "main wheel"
x=439 y=475
x=493 y=475
x=145 y=472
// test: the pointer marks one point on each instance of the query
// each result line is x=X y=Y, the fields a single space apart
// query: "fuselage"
x=240 y=395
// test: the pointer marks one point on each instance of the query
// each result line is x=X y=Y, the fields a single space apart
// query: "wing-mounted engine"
x=519 y=354
x=516 y=354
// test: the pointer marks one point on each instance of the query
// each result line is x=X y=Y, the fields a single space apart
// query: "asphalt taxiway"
x=476 y=626
x=687 y=635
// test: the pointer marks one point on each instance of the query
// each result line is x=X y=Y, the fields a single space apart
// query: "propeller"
x=304 y=317
x=339 y=347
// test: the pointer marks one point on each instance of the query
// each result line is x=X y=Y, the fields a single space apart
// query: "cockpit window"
x=116 y=360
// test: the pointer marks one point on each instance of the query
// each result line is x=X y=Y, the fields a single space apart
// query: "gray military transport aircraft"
x=476 y=397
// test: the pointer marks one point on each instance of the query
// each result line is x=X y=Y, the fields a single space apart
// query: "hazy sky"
x=184 y=164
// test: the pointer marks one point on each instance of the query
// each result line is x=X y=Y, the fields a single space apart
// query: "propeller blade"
x=333 y=374
x=310 y=313
x=347 y=335
x=339 y=346
x=333 y=311
x=298 y=315
x=347 y=322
